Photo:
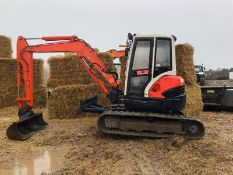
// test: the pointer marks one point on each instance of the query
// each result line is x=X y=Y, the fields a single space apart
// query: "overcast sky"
x=206 y=24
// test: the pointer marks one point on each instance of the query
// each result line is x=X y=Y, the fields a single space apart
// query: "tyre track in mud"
x=86 y=151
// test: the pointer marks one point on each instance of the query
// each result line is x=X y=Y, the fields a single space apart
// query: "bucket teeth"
x=23 y=129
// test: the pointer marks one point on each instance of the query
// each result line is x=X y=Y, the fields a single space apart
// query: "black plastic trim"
x=174 y=101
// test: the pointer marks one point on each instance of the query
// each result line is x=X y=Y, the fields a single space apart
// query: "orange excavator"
x=149 y=106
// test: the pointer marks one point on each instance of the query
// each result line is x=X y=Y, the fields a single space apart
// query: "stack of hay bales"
x=66 y=70
x=123 y=61
x=40 y=90
x=8 y=83
x=8 y=66
x=8 y=77
x=8 y=89
x=5 y=47
x=70 y=83
x=185 y=69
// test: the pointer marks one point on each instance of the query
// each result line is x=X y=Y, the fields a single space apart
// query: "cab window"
x=163 y=58
x=142 y=55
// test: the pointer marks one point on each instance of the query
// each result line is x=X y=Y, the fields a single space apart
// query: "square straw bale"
x=185 y=69
x=5 y=47
x=64 y=101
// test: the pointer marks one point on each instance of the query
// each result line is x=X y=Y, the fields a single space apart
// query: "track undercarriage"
x=154 y=125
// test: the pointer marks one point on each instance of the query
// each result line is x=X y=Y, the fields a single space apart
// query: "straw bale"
x=40 y=96
x=8 y=80
x=5 y=47
x=194 y=103
x=184 y=49
x=64 y=101
x=185 y=69
x=8 y=83
x=38 y=72
x=108 y=60
x=69 y=53
x=66 y=70
x=103 y=99
x=123 y=61
x=8 y=96
x=7 y=72
x=96 y=50
x=184 y=63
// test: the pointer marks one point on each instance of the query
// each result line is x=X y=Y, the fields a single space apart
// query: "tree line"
x=218 y=74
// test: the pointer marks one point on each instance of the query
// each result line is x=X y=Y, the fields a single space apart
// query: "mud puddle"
x=35 y=162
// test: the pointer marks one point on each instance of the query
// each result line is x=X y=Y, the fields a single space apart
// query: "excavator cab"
x=151 y=81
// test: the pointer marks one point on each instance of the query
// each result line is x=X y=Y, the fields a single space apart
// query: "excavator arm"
x=116 y=53
x=86 y=55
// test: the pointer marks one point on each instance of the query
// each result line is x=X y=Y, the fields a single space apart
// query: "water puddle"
x=39 y=165
x=39 y=162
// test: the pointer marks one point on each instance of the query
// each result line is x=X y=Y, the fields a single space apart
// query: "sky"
x=104 y=24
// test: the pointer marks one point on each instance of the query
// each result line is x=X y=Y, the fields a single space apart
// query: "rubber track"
x=147 y=116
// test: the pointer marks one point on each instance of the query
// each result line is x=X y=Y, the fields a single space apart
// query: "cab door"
x=139 y=74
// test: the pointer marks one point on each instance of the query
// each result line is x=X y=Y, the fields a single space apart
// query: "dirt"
x=74 y=146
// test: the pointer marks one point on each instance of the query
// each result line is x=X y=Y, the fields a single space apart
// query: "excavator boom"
x=72 y=44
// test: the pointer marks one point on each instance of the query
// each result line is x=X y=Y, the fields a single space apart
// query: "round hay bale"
x=5 y=47
x=64 y=101
x=184 y=63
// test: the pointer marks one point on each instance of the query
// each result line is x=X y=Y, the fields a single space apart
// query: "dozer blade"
x=152 y=125
x=23 y=129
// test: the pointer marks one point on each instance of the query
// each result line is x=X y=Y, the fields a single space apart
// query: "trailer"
x=217 y=98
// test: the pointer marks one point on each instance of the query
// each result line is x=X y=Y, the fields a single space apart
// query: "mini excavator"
x=149 y=106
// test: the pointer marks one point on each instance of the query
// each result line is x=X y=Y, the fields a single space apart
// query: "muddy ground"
x=75 y=146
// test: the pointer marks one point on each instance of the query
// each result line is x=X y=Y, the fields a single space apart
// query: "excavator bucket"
x=25 y=128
